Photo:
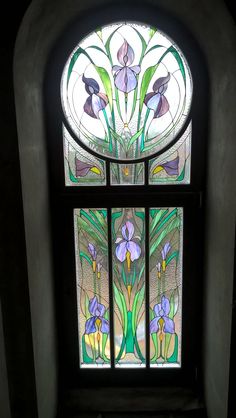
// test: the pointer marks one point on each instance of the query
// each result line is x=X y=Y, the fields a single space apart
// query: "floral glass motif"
x=127 y=272
x=173 y=166
x=128 y=239
x=126 y=91
x=81 y=167
x=165 y=281
x=91 y=244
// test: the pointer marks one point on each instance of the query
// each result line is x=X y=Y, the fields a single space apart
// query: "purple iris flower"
x=162 y=311
x=97 y=322
x=170 y=167
x=82 y=168
x=158 y=266
x=96 y=100
x=127 y=249
x=164 y=253
x=93 y=253
x=125 y=76
x=156 y=100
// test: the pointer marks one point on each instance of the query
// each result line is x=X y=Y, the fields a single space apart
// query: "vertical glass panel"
x=126 y=90
x=165 y=292
x=91 y=248
x=81 y=167
x=128 y=248
x=126 y=174
x=173 y=166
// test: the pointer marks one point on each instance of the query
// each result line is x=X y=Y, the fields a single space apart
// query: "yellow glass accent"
x=128 y=260
x=157 y=169
x=94 y=265
x=96 y=170
x=164 y=265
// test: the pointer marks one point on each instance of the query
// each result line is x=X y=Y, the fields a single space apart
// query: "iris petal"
x=165 y=304
x=130 y=228
x=125 y=80
x=169 y=326
x=154 y=327
x=157 y=309
x=90 y=325
x=134 y=250
x=93 y=306
x=121 y=251
x=101 y=309
x=104 y=326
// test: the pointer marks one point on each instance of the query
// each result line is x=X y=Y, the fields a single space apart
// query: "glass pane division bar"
x=122 y=307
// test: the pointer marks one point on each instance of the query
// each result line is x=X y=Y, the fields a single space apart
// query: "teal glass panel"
x=81 y=167
x=128 y=248
x=173 y=166
x=126 y=90
x=126 y=174
x=91 y=249
x=165 y=286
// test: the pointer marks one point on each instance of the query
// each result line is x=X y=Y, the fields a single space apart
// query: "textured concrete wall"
x=215 y=32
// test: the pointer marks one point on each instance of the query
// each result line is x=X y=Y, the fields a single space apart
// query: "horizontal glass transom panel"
x=126 y=91
x=129 y=291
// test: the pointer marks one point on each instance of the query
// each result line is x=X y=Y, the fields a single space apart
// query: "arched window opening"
x=128 y=193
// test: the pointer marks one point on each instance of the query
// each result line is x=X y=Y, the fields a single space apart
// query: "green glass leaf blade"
x=158 y=216
x=182 y=174
x=97 y=48
x=73 y=60
x=92 y=233
x=147 y=76
x=175 y=223
x=86 y=257
x=179 y=60
x=137 y=304
x=134 y=138
x=103 y=74
x=119 y=298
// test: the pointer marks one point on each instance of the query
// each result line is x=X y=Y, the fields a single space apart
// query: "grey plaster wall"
x=212 y=26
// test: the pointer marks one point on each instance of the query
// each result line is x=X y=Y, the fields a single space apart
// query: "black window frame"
x=63 y=199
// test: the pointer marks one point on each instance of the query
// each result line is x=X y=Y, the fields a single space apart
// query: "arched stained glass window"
x=126 y=120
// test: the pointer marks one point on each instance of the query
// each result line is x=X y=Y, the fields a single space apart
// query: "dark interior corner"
x=33 y=382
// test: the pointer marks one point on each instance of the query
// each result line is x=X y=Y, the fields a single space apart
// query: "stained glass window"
x=126 y=93
x=128 y=276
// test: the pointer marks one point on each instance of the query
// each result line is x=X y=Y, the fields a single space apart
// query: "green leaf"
x=158 y=216
x=179 y=60
x=103 y=74
x=95 y=225
x=147 y=76
x=137 y=304
x=173 y=255
x=174 y=357
x=182 y=174
x=144 y=45
x=98 y=48
x=152 y=32
x=162 y=223
x=134 y=138
x=86 y=358
x=154 y=47
x=114 y=216
x=117 y=137
x=104 y=342
x=100 y=219
x=107 y=44
x=167 y=344
x=175 y=223
x=74 y=59
x=155 y=343
x=92 y=234
x=86 y=306
x=83 y=255
x=120 y=300
x=72 y=177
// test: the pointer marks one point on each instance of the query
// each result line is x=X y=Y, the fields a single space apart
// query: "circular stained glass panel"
x=126 y=91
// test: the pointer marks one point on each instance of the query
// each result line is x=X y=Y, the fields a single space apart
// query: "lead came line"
x=147 y=287
x=110 y=268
